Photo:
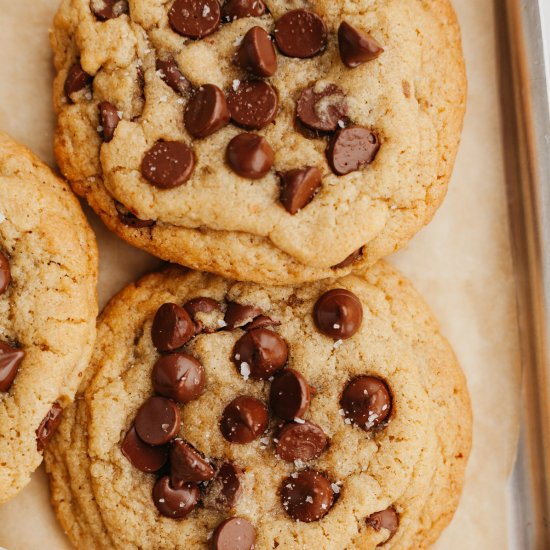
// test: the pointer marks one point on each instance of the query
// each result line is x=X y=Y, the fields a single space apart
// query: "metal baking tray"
x=526 y=130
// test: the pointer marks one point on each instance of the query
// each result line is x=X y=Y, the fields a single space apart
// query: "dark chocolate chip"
x=175 y=503
x=262 y=321
x=195 y=18
x=351 y=149
x=172 y=328
x=323 y=108
x=356 y=46
x=244 y=420
x=307 y=496
x=144 y=457
x=48 y=427
x=187 y=465
x=76 y=80
x=109 y=9
x=234 y=534
x=201 y=305
x=260 y=353
x=169 y=72
x=237 y=9
x=207 y=112
x=10 y=360
x=109 y=119
x=350 y=260
x=253 y=104
x=257 y=53
x=366 y=402
x=168 y=164
x=289 y=395
x=298 y=187
x=179 y=377
x=130 y=219
x=338 y=313
x=5 y=273
x=158 y=421
x=300 y=441
x=225 y=490
x=250 y=156
x=300 y=33
x=386 y=519
x=238 y=315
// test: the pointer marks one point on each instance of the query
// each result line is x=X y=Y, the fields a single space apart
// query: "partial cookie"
x=271 y=141
x=48 y=308
x=221 y=415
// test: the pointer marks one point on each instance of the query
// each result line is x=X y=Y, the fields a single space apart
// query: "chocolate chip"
x=5 y=273
x=225 y=490
x=300 y=441
x=207 y=112
x=130 y=219
x=172 y=328
x=253 y=104
x=169 y=72
x=48 y=427
x=386 y=519
x=144 y=457
x=307 y=496
x=322 y=109
x=76 y=80
x=175 y=503
x=244 y=420
x=195 y=18
x=179 y=377
x=289 y=395
x=201 y=305
x=237 y=9
x=158 y=421
x=300 y=33
x=234 y=534
x=260 y=353
x=257 y=53
x=262 y=321
x=238 y=315
x=356 y=46
x=109 y=119
x=10 y=360
x=298 y=187
x=351 y=149
x=338 y=313
x=168 y=164
x=350 y=260
x=366 y=402
x=109 y=9
x=250 y=156
x=187 y=465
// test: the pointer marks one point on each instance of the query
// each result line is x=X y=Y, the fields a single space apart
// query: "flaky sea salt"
x=335 y=488
x=245 y=370
x=236 y=84
x=337 y=344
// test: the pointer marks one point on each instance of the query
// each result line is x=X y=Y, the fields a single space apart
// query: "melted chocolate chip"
x=48 y=427
x=76 y=80
x=298 y=187
x=195 y=18
x=250 y=156
x=225 y=490
x=351 y=149
x=234 y=534
x=175 y=503
x=109 y=9
x=301 y=441
x=10 y=360
x=169 y=72
x=322 y=109
x=207 y=112
x=5 y=273
x=238 y=315
x=179 y=377
x=338 y=313
x=158 y=421
x=253 y=104
x=356 y=46
x=262 y=321
x=109 y=119
x=289 y=395
x=366 y=402
x=172 y=328
x=350 y=260
x=144 y=457
x=300 y=33
x=187 y=465
x=307 y=496
x=237 y=9
x=244 y=420
x=130 y=219
x=386 y=519
x=260 y=353
x=201 y=305
x=257 y=53
x=168 y=164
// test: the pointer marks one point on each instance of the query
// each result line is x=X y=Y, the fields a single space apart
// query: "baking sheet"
x=461 y=263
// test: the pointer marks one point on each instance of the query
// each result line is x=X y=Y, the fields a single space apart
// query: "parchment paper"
x=461 y=263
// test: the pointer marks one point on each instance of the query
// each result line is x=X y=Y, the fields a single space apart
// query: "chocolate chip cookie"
x=48 y=306
x=221 y=415
x=264 y=140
